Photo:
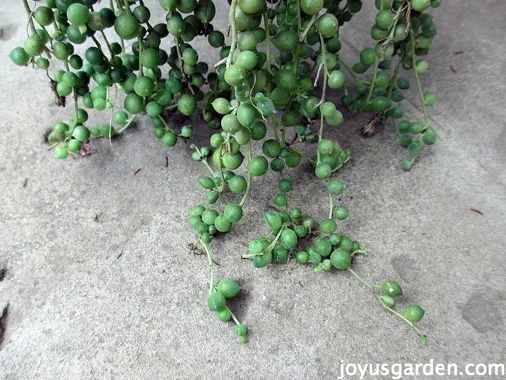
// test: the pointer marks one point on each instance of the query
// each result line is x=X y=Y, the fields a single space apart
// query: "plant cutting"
x=279 y=86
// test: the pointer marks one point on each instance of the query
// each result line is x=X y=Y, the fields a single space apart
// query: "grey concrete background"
x=78 y=311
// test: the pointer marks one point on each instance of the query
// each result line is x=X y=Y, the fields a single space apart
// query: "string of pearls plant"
x=279 y=70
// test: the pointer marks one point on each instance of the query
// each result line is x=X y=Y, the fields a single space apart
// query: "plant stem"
x=127 y=6
x=233 y=31
x=107 y=43
x=360 y=278
x=120 y=6
x=96 y=42
x=234 y=317
x=275 y=127
x=206 y=164
x=278 y=235
x=128 y=124
x=420 y=90
x=409 y=323
x=308 y=27
x=268 y=52
x=211 y=266
x=394 y=78
x=331 y=204
x=180 y=56
x=309 y=159
x=359 y=252
x=203 y=160
x=269 y=247
x=50 y=38
x=340 y=166
x=221 y=169
x=325 y=70
x=56 y=26
x=320 y=134
x=324 y=92
x=299 y=26
x=53 y=146
x=250 y=176
x=394 y=24
x=350 y=71
x=141 y=48
x=29 y=14
x=74 y=93
x=376 y=63
x=165 y=124
x=419 y=85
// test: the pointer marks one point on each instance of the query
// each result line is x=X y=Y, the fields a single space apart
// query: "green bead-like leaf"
x=264 y=104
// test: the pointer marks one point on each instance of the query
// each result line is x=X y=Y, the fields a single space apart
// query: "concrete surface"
x=122 y=298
